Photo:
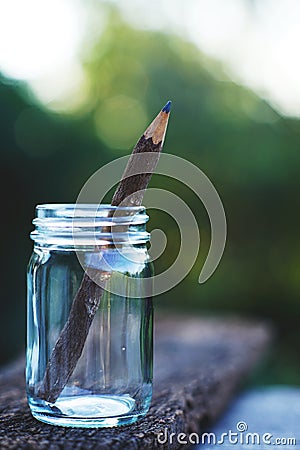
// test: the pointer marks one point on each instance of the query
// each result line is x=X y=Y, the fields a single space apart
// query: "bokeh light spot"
x=119 y=120
x=37 y=36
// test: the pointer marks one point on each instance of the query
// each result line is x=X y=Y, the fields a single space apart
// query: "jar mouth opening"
x=89 y=223
x=66 y=210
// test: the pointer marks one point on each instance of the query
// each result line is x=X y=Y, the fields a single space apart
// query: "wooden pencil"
x=70 y=343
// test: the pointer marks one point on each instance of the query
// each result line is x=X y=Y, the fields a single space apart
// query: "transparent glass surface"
x=112 y=381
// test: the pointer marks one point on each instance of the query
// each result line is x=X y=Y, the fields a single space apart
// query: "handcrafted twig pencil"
x=130 y=191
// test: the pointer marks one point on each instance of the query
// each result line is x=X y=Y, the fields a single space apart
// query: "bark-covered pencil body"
x=69 y=346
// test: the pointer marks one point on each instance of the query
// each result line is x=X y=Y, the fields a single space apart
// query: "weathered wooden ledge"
x=199 y=364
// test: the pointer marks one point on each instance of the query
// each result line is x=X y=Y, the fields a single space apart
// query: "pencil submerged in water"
x=130 y=191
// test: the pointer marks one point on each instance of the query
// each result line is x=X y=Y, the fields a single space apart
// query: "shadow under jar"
x=112 y=381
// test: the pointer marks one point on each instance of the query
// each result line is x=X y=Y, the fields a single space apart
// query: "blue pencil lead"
x=167 y=107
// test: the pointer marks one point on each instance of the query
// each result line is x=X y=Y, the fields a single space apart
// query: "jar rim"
x=87 y=209
x=88 y=222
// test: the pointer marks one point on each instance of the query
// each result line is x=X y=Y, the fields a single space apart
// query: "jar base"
x=89 y=411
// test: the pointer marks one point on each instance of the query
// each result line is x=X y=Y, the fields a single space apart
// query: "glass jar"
x=102 y=374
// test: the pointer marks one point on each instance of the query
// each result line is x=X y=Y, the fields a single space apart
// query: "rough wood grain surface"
x=199 y=364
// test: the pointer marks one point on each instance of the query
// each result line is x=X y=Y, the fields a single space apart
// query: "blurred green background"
x=248 y=149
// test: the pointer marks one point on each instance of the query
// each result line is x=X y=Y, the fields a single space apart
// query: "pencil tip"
x=167 y=107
